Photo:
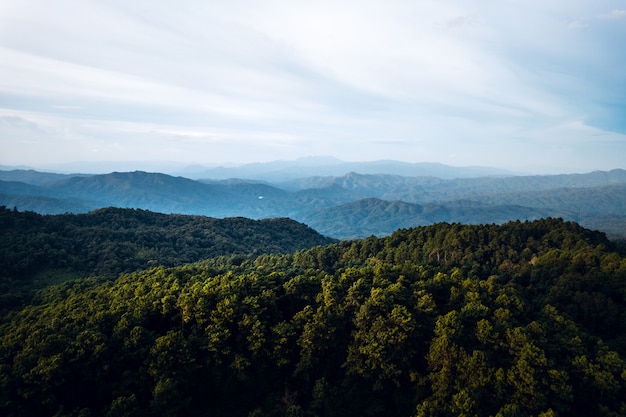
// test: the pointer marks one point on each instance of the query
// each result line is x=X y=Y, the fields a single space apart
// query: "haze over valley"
x=352 y=205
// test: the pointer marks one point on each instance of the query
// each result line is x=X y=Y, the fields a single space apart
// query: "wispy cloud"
x=65 y=107
x=462 y=21
x=578 y=24
x=614 y=14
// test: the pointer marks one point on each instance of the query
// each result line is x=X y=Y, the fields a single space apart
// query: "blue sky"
x=527 y=85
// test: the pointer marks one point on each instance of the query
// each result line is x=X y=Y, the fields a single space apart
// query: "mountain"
x=281 y=171
x=353 y=204
x=33 y=177
x=366 y=217
x=23 y=188
x=47 y=205
x=141 y=189
x=608 y=199
x=377 y=217
x=150 y=191
x=427 y=189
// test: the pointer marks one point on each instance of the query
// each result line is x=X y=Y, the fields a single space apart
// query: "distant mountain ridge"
x=346 y=206
x=373 y=216
x=30 y=176
x=273 y=171
x=279 y=171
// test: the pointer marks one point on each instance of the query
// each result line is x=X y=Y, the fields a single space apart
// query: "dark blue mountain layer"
x=345 y=206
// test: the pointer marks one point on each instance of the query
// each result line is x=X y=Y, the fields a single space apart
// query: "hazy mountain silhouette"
x=352 y=204
x=280 y=171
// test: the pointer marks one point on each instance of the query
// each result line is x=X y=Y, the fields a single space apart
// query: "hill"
x=377 y=217
x=523 y=319
x=30 y=176
x=36 y=250
x=597 y=198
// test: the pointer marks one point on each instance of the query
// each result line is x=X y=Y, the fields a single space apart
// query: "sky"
x=531 y=85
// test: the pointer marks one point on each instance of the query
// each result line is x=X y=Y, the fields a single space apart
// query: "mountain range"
x=280 y=171
x=347 y=205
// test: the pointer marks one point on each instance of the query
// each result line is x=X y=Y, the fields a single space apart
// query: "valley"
x=350 y=205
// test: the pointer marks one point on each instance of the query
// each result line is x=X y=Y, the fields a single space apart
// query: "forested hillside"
x=377 y=217
x=36 y=250
x=523 y=319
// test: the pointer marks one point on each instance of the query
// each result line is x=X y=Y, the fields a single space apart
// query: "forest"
x=38 y=250
x=520 y=319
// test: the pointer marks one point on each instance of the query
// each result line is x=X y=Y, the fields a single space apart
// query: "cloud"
x=614 y=14
x=577 y=24
x=49 y=78
x=245 y=80
x=390 y=141
x=462 y=21
x=65 y=107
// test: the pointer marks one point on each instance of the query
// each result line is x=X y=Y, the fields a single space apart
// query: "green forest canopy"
x=36 y=250
x=523 y=319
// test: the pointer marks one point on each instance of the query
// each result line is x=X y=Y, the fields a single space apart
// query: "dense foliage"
x=36 y=249
x=524 y=319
